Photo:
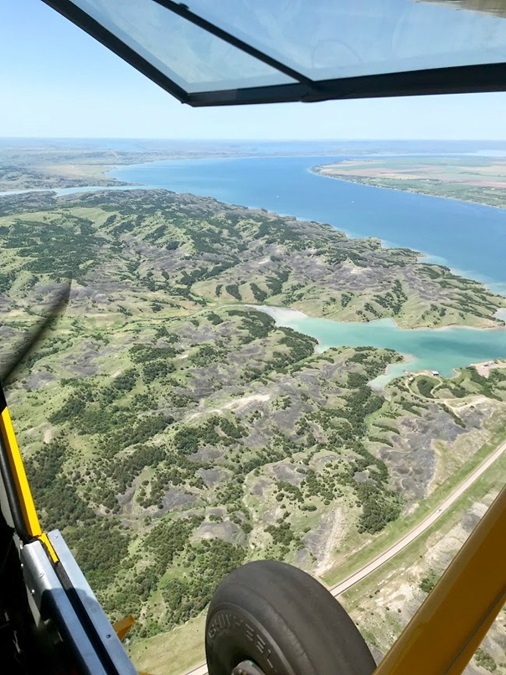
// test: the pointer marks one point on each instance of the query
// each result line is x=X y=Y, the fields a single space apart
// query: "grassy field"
x=183 y=647
x=395 y=530
x=383 y=603
x=473 y=179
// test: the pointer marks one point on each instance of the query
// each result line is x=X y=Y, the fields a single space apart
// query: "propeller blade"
x=57 y=309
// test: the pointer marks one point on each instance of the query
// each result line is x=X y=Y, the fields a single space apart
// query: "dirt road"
x=407 y=538
x=419 y=529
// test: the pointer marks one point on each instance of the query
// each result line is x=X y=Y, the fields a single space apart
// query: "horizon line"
x=256 y=140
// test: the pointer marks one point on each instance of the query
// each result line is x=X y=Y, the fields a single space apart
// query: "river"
x=470 y=238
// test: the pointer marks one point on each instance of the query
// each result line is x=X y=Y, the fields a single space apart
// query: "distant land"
x=476 y=179
x=54 y=163
x=65 y=163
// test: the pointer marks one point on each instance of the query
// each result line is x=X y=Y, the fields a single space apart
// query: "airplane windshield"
x=191 y=57
x=349 y=39
x=295 y=50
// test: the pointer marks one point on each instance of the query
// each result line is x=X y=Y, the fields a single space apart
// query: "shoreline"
x=287 y=317
x=277 y=313
x=420 y=255
x=494 y=286
x=296 y=314
x=315 y=171
x=100 y=172
x=116 y=184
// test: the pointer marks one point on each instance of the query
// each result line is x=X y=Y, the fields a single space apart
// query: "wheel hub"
x=247 y=668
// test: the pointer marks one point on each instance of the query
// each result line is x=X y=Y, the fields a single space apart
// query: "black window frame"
x=490 y=77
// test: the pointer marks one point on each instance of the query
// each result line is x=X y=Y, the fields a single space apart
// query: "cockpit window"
x=253 y=51
x=192 y=57
x=325 y=39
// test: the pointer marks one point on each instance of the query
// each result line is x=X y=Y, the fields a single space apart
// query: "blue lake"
x=468 y=237
x=442 y=349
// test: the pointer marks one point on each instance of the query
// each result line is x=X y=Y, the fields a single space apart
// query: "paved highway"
x=407 y=538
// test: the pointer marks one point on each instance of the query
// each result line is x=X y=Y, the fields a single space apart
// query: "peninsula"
x=468 y=178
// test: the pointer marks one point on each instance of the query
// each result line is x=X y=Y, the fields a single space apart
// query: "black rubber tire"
x=284 y=621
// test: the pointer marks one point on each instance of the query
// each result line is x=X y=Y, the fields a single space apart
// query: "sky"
x=56 y=81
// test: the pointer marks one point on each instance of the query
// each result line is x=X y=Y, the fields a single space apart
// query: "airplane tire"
x=285 y=622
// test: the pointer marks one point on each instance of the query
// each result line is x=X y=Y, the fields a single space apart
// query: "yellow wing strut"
x=14 y=465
